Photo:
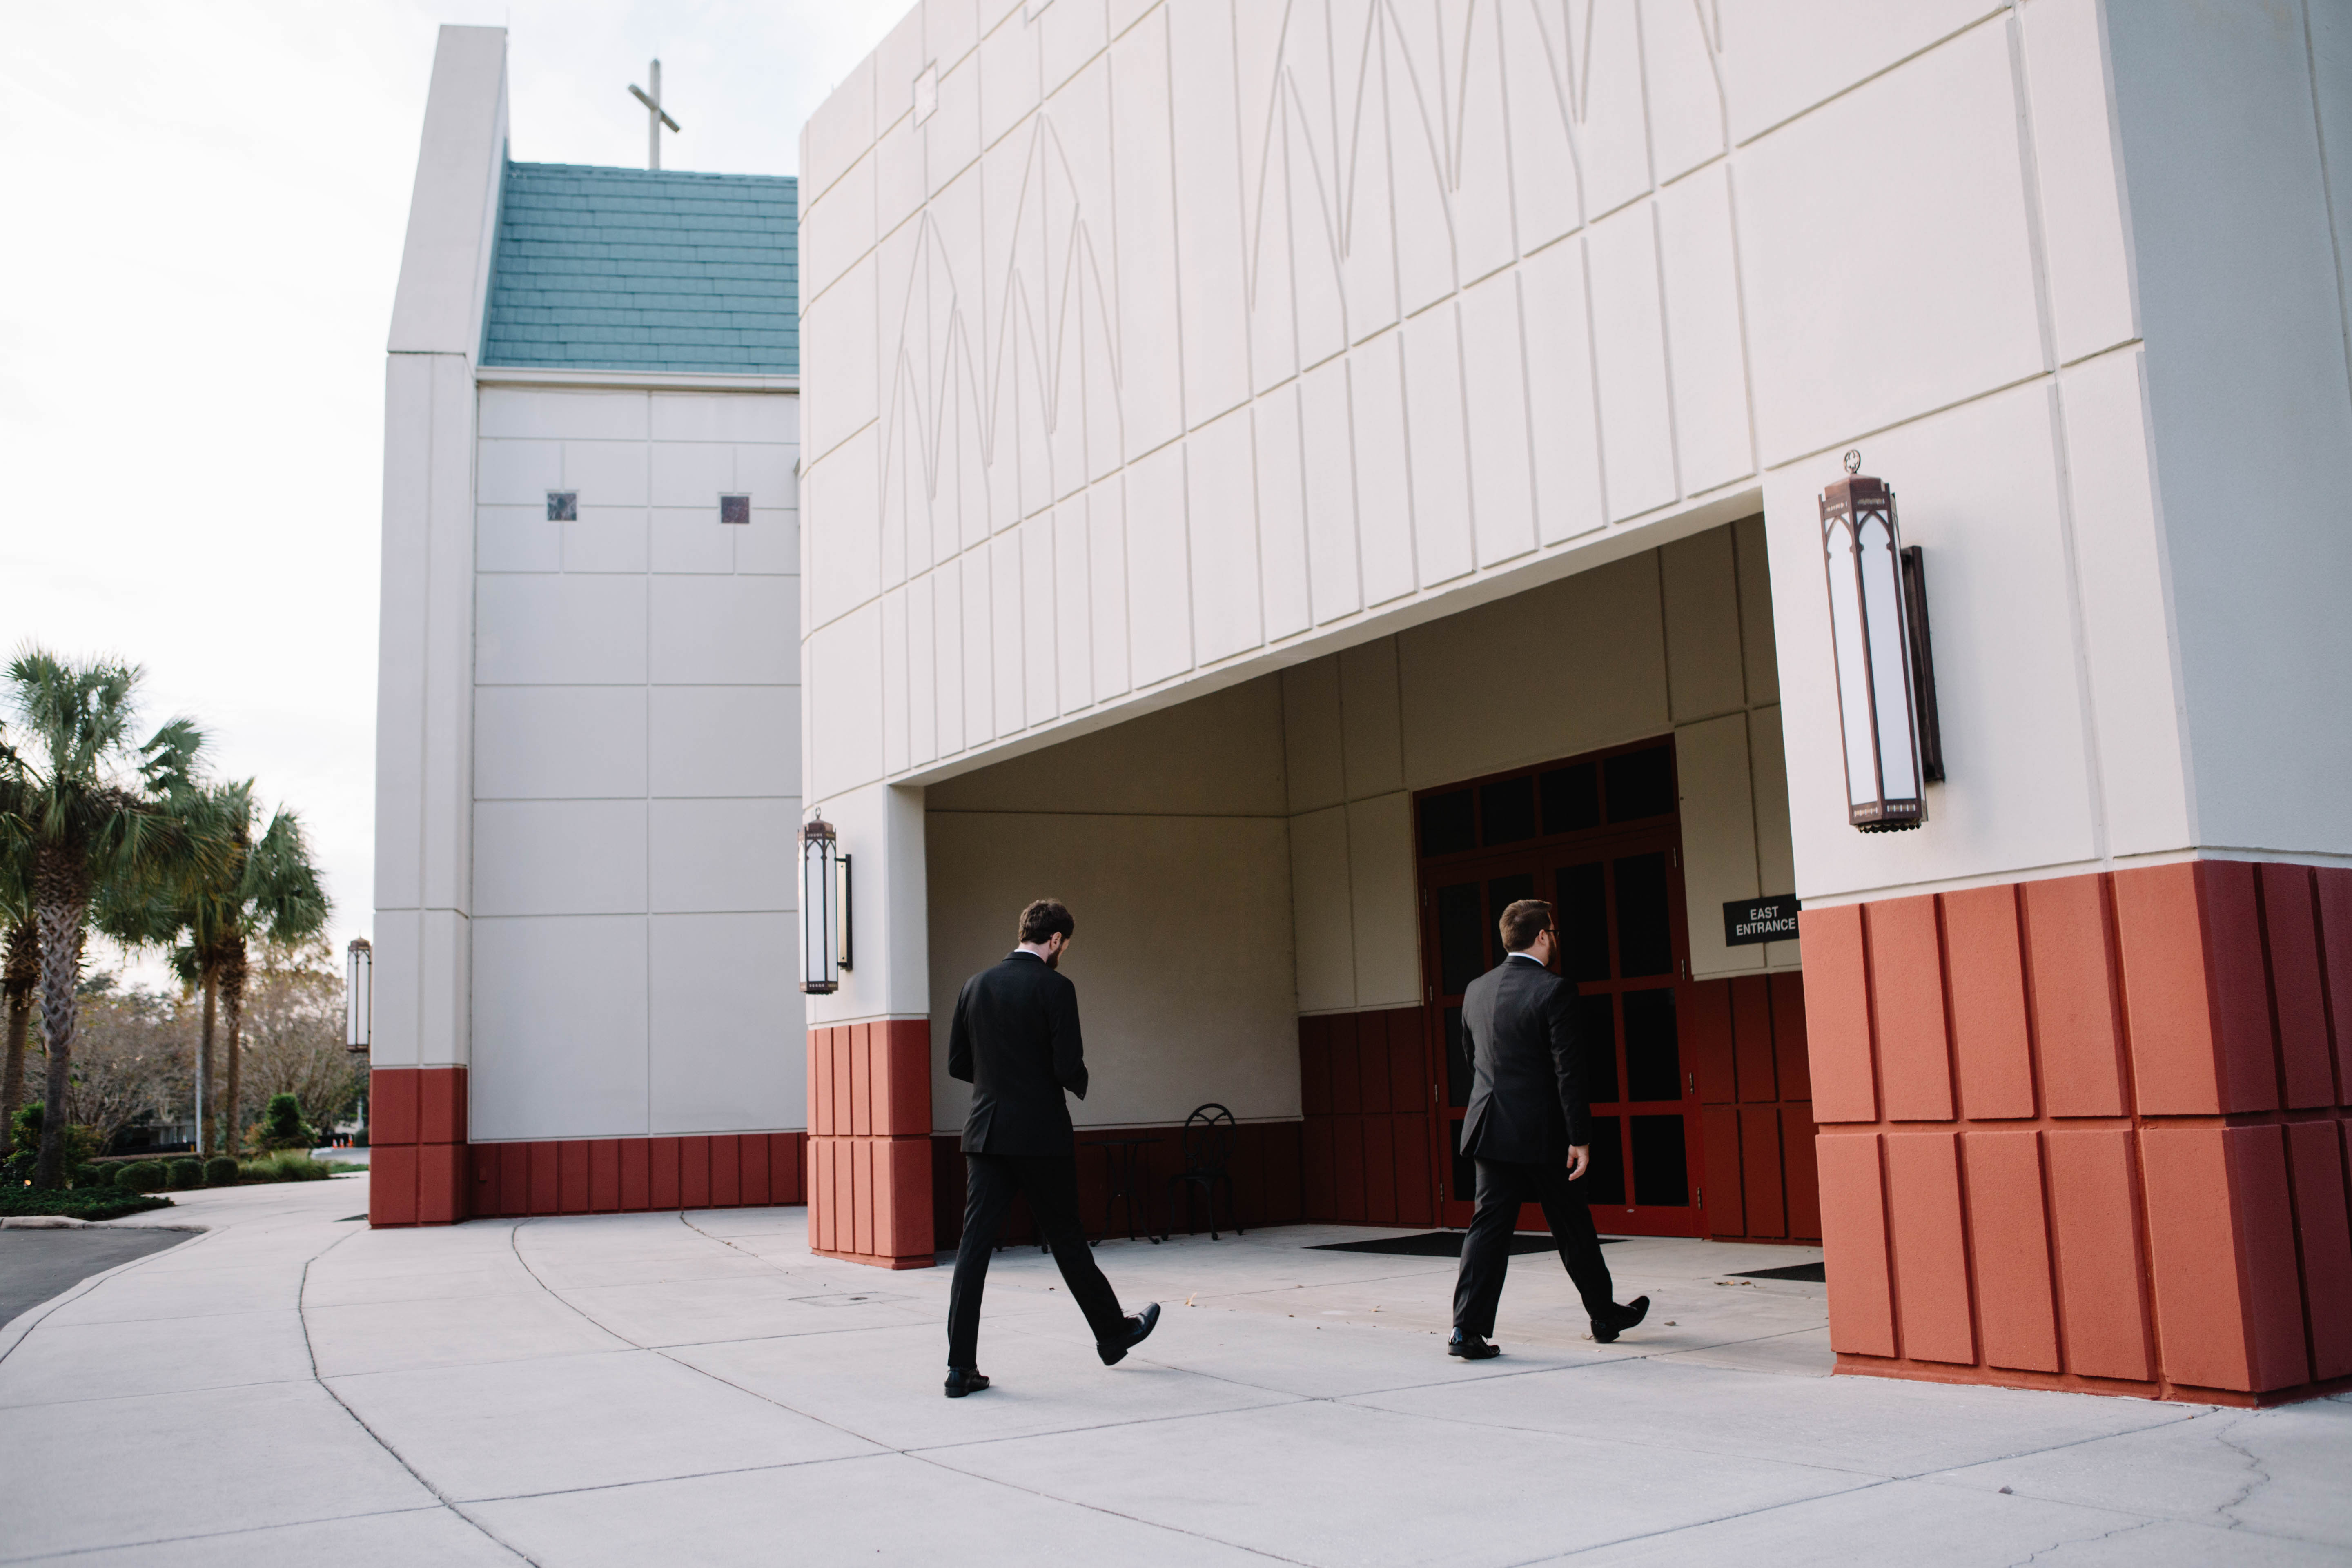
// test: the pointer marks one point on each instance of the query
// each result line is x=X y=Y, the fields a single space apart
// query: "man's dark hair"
x=1042 y=918
x=1523 y=922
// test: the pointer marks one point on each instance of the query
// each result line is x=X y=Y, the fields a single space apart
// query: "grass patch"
x=78 y=1203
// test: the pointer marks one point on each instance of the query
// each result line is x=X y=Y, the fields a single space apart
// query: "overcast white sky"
x=204 y=208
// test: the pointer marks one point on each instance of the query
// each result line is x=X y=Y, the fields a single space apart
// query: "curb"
x=59 y=1222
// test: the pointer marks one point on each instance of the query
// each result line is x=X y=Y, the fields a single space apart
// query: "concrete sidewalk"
x=697 y=1389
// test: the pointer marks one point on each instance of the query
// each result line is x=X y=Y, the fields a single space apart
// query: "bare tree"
x=130 y=1058
x=293 y=1030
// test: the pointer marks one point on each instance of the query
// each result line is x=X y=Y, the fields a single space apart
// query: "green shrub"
x=82 y=1202
x=286 y=1165
x=139 y=1175
x=184 y=1174
x=281 y=1125
x=24 y=1133
x=220 y=1170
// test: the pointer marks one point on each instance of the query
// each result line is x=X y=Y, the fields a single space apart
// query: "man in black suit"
x=1015 y=1040
x=1529 y=1130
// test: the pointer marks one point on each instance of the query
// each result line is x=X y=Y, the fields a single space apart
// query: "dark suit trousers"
x=1051 y=1182
x=1502 y=1186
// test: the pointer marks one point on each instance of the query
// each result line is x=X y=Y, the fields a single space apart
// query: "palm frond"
x=282 y=885
x=170 y=756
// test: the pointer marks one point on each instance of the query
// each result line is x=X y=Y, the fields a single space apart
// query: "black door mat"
x=1439 y=1243
x=1815 y=1272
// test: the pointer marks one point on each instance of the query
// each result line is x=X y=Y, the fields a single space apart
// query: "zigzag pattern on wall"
x=1169 y=374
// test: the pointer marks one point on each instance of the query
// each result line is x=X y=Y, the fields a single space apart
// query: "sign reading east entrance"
x=1747 y=920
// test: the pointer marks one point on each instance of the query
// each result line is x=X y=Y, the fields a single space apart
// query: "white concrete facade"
x=1184 y=343
x=588 y=768
x=636 y=778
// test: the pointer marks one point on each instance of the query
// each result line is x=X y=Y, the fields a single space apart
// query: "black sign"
x=1747 y=920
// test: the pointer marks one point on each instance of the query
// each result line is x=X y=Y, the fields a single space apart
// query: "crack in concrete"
x=2262 y=1475
x=302 y=1315
x=2040 y=1552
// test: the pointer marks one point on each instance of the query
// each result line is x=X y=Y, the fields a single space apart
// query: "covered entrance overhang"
x=1281 y=888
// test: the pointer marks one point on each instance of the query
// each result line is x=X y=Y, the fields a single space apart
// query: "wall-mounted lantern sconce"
x=1878 y=634
x=824 y=908
x=359 y=998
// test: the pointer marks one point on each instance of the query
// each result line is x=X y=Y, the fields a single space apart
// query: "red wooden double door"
x=1598 y=837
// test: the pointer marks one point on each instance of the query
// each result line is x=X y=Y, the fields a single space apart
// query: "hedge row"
x=77 y=1203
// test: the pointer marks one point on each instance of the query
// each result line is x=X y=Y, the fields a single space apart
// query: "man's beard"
x=1053 y=960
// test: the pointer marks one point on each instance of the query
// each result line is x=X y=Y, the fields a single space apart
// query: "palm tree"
x=88 y=809
x=19 y=969
x=223 y=889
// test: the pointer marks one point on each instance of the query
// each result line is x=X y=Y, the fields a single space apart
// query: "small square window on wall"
x=564 y=506
x=735 y=509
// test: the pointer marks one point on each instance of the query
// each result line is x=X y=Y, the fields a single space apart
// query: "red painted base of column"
x=2091 y=1132
x=870 y=1143
x=2010 y=1377
x=417 y=1146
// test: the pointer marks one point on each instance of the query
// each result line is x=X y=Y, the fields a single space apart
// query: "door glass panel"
x=1460 y=940
x=1583 y=906
x=1447 y=823
x=1466 y=1170
x=1501 y=894
x=1646 y=943
x=1597 y=1024
x=1653 y=1068
x=1605 y=1181
x=1660 y=1175
x=1571 y=798
x=1640 y=783
x=1457 y=1060
x=1507 y=811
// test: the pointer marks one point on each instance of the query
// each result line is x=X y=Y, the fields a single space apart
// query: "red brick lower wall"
x=1263 y=1168
x=2091 y=1132
x=629 y=1175
x=422 y=1169
x=1748 y=1035
x=1364 y=1086
x=870 y=1141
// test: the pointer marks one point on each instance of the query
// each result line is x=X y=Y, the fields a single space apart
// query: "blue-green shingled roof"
x=640 y=269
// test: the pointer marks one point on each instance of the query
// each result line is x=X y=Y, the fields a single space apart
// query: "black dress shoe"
x=1471 y=1347
x=1631 y=1313
x=963 y=1380
x=1139 y=1329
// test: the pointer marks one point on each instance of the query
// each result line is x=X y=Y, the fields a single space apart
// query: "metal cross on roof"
x=656 y=116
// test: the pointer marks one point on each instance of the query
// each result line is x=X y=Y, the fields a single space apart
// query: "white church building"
x=588 y=758
x=1288 y=478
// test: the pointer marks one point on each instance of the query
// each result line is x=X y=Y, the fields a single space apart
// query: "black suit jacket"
x=1015 y=1040
x=1526 y=1094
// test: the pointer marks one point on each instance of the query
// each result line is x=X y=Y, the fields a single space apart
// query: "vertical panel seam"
x=2270 y=991
x=2302 y=1262
x=1982 y=1353
x=2151 y=1320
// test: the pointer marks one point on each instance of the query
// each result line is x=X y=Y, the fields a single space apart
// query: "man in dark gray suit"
x=1528 y=1129
x=1015 y=1040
